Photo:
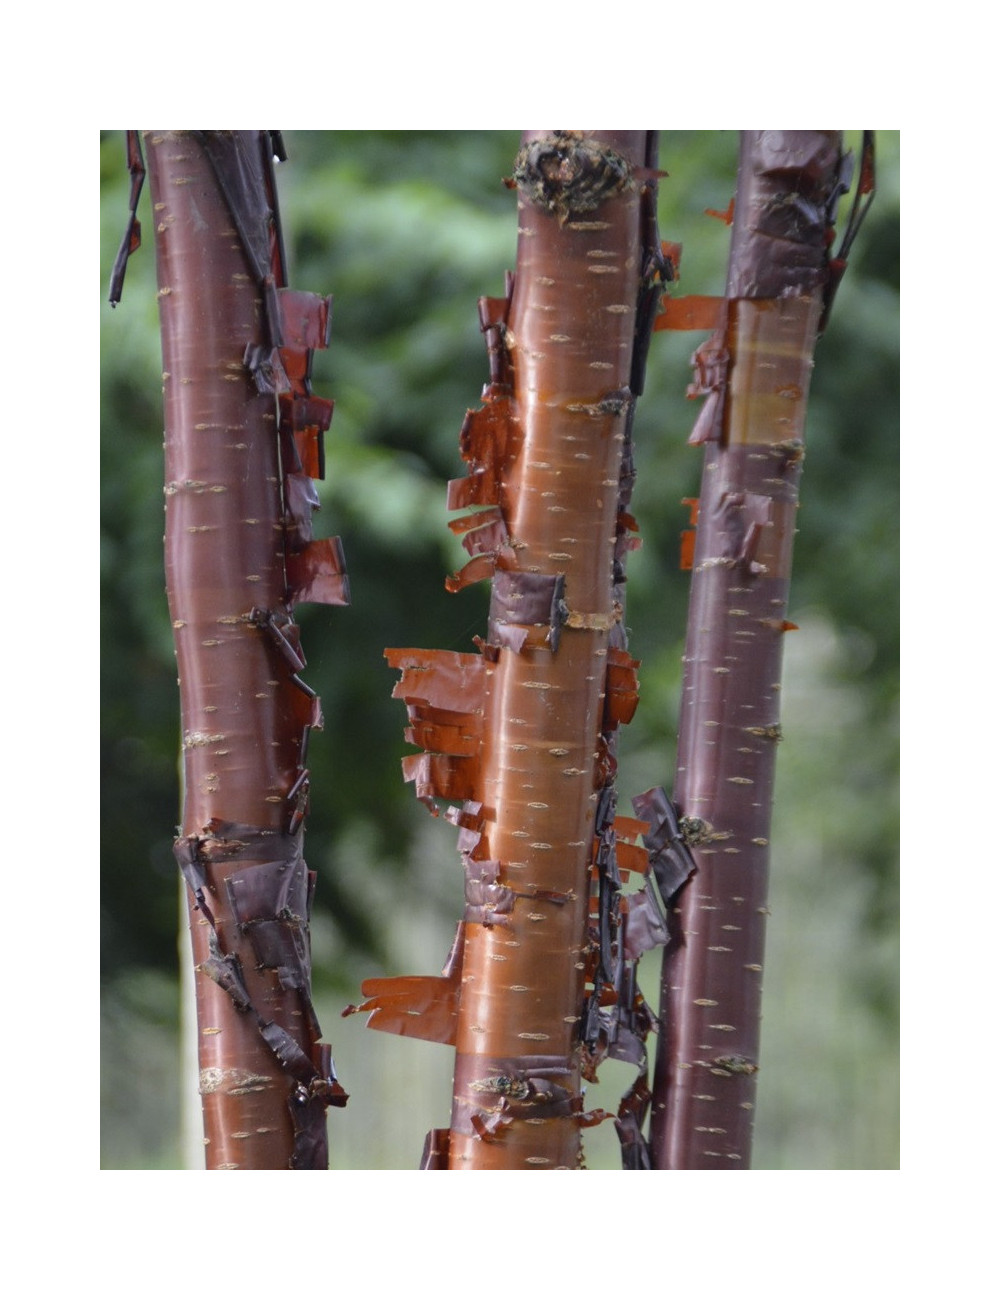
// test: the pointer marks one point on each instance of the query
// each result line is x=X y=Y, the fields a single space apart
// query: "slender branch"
x=522 y=734
x=242 y=429
x=755 y=371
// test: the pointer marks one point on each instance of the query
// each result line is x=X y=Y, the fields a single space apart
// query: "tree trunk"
x=243 y=434
x=522 y=734
x=755 y=371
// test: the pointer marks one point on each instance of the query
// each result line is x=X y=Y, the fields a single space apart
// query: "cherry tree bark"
x=243 y=439
x=755 y=373
x=537 y=988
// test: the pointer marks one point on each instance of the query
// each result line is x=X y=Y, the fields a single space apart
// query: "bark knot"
x=565 y=173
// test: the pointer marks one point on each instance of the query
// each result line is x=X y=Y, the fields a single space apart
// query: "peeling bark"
x=243 y=435
x=754 y=372
x=538 y=988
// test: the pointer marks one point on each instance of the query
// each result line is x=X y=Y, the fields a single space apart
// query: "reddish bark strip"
x=755 y=371
x=241 y=426
x=569 y=337
x=538 y=987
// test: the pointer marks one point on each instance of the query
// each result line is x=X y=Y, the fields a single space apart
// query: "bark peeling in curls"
x=525 y=983
x=522 y=736
x=243 y=433
x=784 y=213
x=755 y=372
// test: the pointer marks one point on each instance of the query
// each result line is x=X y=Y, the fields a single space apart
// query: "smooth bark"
x=522 y=733
x=239 y=554
x=569 y=337
x=755 y=372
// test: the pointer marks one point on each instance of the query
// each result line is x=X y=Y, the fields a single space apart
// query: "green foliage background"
x=407 y=230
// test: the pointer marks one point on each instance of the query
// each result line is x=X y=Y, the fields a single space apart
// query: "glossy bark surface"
x=244 y=711
x=756 y=372
x=522 y=733
x=569 y=339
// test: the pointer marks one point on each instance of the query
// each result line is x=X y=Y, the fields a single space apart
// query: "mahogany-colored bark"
x=522 y=734
x=241 y=431
x=569 y=336
x=755 y=372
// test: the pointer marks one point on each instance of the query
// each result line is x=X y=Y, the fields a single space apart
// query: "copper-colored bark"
x=569 y=337
x=238 y=555
x=539 y=985
x=756 y=372
x=522 y=735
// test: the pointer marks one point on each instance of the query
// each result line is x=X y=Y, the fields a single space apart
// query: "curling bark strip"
x=521 y=733
x=754 y=372
x=569 y=336
x=242 y=430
